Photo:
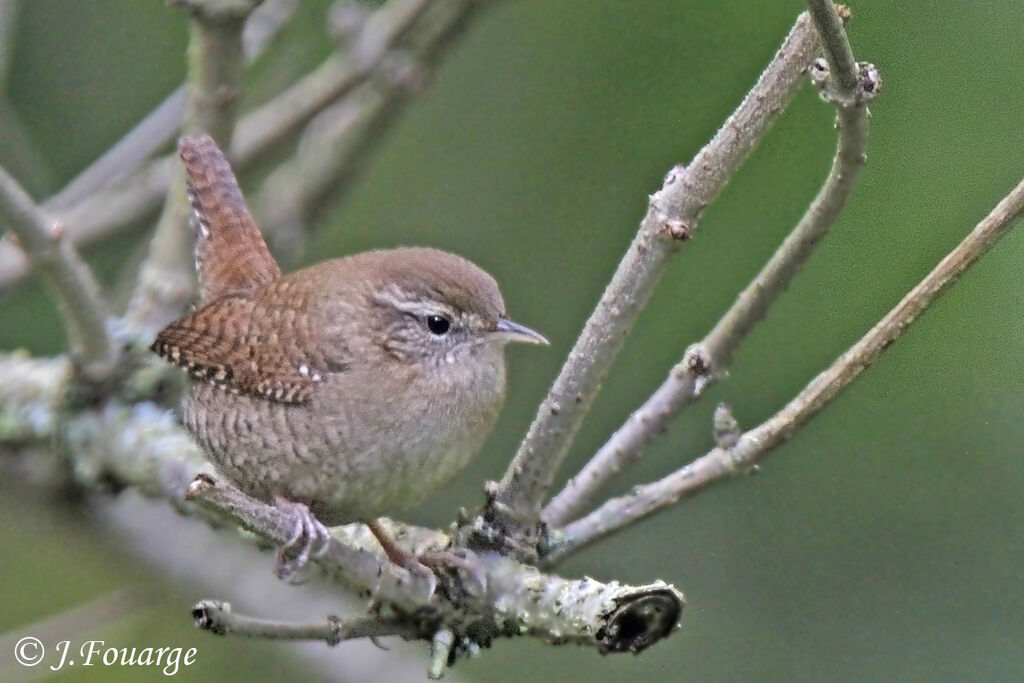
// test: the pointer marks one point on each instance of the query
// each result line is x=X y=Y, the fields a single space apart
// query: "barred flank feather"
x=214 y=345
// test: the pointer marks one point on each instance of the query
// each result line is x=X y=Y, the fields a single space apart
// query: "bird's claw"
x=418 y=568
x=309 y=540
x=429 y=564
x=462 y=560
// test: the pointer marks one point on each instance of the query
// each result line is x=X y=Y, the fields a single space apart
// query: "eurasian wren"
x=355 y=387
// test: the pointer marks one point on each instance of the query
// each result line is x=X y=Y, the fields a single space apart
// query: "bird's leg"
x=400 y=556
x=309 y=539
x=429 y=563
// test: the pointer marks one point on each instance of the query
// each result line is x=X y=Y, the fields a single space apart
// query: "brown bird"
x=344 y=391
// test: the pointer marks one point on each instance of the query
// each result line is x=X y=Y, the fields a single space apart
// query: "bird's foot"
x=309 y=540
x=462 y=560
x=430 y=565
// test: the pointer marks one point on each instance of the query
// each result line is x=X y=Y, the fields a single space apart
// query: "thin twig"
x=82 y=308
x=165 y=283
x=263 y=25
x=828 y=18
x=705 y=362
x=321 y=163
x=340 y=74
x=120 y=205
x=158 y=127
x=218 y=617
x=440 y=651
x=671 y=218
x=19 y=147
x=335 y=143
x=126 y=155
x=17 y=144
x=720 y=464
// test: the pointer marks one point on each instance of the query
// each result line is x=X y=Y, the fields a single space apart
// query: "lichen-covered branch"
x=346 y=559
x=706 y=362
x=721 y=464
x=141 y=447
x=672 y=216
x=82 y=308
x=28 y=394
x=440 y=652
x=517 y=599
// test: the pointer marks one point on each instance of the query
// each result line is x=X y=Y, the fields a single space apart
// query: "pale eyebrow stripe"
x=407 y=303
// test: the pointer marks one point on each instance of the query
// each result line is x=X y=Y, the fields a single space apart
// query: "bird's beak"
x=506 y=330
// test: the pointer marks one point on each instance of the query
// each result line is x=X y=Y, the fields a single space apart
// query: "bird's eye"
x=438 y=324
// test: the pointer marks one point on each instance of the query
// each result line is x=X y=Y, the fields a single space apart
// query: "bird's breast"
x=366 y=444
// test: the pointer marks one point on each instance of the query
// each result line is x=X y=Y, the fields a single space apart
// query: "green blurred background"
x=883 y=542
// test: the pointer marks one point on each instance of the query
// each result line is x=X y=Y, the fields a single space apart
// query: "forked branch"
x=721 y=464
x=672 y=216
x=706 y=361
x=78 y=296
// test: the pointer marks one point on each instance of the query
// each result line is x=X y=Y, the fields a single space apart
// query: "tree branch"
x=440 y=651
x=125 y=202
x=363 y=55
x=166 y=284
x=218 y=617
x=720 y=464
x=518 y=599
x=103 y=213
x=71 y=282
x=28 y=393
x=672 y=216
x=158 y=127
x=335 y=144
x=346 y=559
x=705 y=363
x=141 y=447
x=829 y=19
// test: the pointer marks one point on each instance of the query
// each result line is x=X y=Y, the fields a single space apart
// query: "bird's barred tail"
x=231 y=256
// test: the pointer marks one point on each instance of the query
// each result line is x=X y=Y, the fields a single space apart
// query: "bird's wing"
x=231 y=256
x=221 y=343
